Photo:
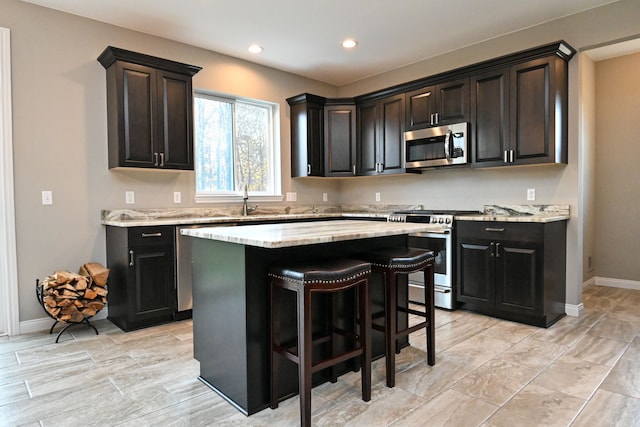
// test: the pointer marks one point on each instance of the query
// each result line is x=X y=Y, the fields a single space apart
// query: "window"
x=235 y=145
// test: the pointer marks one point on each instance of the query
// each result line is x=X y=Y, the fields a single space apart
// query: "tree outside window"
x=234 y=146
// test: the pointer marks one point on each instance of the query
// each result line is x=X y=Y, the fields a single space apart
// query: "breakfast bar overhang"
x=231 y=296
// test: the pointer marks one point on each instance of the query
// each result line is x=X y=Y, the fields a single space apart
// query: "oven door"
x=440 y=243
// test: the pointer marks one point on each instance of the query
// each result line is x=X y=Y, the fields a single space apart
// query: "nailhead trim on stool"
x=328 y=276
x=391 y=262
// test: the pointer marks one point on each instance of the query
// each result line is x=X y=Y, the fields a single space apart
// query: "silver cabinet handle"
x=151 y=234
x=130 y=258
x=499 y=230
x=308 y=169
x=492 y=249
x=437 y=118
x=155 y=161
x=497 y=250
x=354 y=169
x=161 y=160
x=511 y=156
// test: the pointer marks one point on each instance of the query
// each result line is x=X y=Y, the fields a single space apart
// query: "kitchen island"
x=231 y=296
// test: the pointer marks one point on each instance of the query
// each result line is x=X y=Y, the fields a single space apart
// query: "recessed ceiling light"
x=254 y=48
x=349 y=44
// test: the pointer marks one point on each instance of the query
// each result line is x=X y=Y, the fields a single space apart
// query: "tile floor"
x=580 y=372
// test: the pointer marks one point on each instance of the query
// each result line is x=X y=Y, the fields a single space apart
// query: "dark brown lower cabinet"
x=142 y=276
x=514 y=271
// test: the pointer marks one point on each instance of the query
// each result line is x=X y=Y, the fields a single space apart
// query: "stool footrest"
x=330 y=361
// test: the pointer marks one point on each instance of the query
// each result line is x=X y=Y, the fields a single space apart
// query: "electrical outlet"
x=325 y=197
x=129 y=197
x=377 y=197
x=177 y=197
x=292 y=197
x=531 y=194
x=47 y=197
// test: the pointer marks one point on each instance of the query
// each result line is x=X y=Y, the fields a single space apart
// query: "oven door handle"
x=442 y=290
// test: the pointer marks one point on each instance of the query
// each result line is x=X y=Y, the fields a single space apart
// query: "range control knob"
x=447 y=221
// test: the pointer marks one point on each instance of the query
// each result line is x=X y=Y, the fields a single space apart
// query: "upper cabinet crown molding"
x=112 y=54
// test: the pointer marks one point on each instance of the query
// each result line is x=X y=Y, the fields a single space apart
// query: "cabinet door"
x=452 y=101
x=476 y=274
x=420 y=105
x=367 y=134
x=391 y=134
x=340 y=140
x=175 y=118
x=489 y=118
x=153 y=298
x=536 y=106
x=518 y=269
x=136 y=109
x=307 y=146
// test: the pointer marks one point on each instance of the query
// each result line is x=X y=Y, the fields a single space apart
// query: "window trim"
x=275 y=155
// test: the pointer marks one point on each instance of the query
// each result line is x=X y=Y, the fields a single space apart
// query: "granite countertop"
x=221 y=216
x=305 y=233
x=520 y=213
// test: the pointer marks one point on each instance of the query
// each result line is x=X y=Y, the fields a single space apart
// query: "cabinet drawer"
x=522 y=232
x=151 y=236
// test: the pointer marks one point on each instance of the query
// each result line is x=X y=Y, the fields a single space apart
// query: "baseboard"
x=617 y=283
x=44 y=323
x=574 y=310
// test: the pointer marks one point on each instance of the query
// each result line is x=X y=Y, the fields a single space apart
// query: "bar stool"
x=307 y=280
x=392 y=262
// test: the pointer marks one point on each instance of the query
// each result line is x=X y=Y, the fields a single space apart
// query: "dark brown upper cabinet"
x=380 y=135
x=519 y=114
x=149 y=110
x=340 y=137
x=438 y=104
x=307 y=135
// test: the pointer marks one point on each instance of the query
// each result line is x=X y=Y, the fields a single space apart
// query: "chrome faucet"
x=245 y=198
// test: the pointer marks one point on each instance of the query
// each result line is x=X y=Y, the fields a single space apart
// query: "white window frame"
x=274 y=155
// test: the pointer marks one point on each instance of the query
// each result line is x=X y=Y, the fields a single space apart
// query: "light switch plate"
x=531 y=194
x=47 y=197
x=292 y=197
x=129 y=197
x=377 y=197
x=325 y=197
x=177 y=197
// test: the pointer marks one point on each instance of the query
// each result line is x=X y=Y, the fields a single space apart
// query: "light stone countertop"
x=305 y=233
x=514 y=218
x=521 y=213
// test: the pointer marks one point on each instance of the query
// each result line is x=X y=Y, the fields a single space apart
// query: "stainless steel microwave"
x=436 y=146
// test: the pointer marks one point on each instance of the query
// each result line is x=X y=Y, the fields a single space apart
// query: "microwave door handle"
x=448 y=146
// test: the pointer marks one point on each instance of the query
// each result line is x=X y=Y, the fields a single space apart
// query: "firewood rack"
x=69 y=324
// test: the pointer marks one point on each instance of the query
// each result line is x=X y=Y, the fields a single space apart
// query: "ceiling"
x=303 y=37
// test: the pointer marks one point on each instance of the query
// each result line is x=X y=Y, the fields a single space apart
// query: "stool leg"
x=429 y=306
x=304 y=354
x=275 y=340
x=365 y=339
x=390 y=326
x=331 y=328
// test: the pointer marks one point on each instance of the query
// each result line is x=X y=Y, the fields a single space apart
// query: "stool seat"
x=391 y=262
x=400 y=258
x=329 y=272
x=309 y=280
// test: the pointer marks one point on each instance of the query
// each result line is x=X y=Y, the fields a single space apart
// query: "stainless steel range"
x=439 y=239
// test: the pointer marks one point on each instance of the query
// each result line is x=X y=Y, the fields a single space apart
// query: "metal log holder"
x=69 y=324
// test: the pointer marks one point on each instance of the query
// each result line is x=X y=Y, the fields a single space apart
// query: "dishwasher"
x=183 y=269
